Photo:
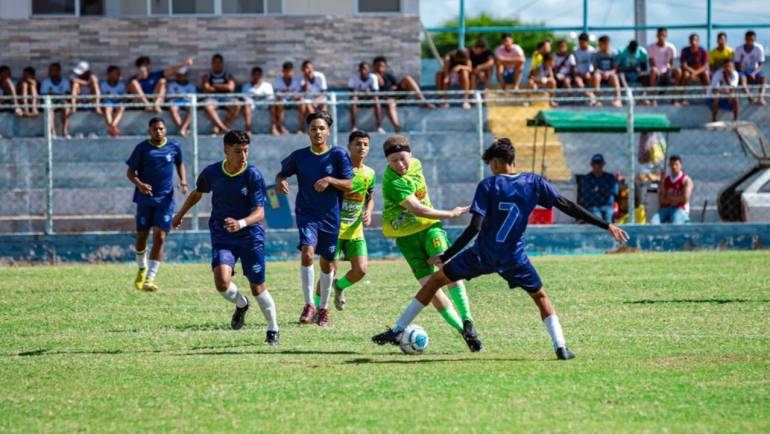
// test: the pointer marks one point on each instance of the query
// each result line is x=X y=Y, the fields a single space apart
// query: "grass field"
x=665 y=342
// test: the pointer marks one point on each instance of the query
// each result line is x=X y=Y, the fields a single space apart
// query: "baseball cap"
x=81 y=67
x=183 y=70
x=597 y=158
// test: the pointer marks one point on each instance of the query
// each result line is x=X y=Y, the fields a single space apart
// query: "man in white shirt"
x=262 y=90
x=661 y=55
x=313 y=83
x=724 y=84
x=84 y=82
x=584 y=65
x=57 y=85
x=365 y=82
x=749 y=58
x=284 y=85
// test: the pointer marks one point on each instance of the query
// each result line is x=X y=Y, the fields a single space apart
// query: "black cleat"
x=471 y=337
x=564 y=353
x=389 y=336
x=273 y=338
x=239 y=317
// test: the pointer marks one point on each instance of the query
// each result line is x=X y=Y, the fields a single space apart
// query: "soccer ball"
x=414 y=340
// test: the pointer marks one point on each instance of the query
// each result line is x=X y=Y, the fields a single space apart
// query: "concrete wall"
x=334 y=43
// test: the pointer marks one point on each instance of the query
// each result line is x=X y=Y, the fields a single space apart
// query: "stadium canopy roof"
x=600 y=122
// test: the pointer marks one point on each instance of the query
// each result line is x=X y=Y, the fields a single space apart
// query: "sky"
x=614 y=12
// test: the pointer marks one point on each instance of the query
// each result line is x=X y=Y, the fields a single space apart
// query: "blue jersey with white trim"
x=505 y=202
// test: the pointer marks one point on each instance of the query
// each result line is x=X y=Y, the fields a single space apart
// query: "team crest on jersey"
x=256 y=268
x=420 y=194
x=244 y=191
x=166 y=218
x=329 y=169
x=169 y=157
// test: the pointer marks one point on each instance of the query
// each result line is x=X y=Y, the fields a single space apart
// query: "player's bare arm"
x=145 y=189
x=191 y=201
x=182 y=178
x=281 y=184
x=256 y=216
x=366 y=218
x=344 y=185
x=415 y=207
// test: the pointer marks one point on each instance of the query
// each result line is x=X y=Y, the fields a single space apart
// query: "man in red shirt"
x=695 y=64
x=674 y=195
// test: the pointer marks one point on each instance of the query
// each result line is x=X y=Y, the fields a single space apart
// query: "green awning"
x=599 y=122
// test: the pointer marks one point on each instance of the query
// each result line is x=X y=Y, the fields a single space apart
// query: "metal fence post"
x=194 y=126
x=48 y=167
x=334 y=118
x=631 y=177
x=480 y=131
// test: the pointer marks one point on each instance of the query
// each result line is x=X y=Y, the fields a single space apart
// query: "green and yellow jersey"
x=354 y=202
x=397 y=221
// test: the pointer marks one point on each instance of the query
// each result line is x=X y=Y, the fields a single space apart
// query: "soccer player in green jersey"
x=357 y=207
x=410 y=218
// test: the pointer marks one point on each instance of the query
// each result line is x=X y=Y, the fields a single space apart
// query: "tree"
x=448 y=41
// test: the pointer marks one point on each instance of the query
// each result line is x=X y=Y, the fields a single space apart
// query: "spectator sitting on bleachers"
x=147 y=82
x=543 y=48
x=286 y=84
x=389 y=83
x=632 y=65
x=604 y=69
x=584 y=66
x=313 y=82
x=258 y=89
x=721 y=54
x=510 y=62
x=749 y=58
x=112 y=108
x=456 y=73
x=83 y=83
x=599 y=190
x=662 y=70
x=724 y=86
x=56 y=85
x=364 y=82
x=674 y=195
x=483 y=63
x=8 y=88
x=543 y=76
x=181 y=86
x=563 y=65
x=218 y=80
x=27 y=91
x=694 y=62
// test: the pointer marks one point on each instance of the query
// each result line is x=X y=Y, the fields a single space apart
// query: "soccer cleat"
x=307 y=314
x=323 y=318
x=272 y=338
x=339 y=298
x=239 y=317
x=564 y=353
x=150 y=286
x=471 y=337
x=141 y=275
x=389 y=336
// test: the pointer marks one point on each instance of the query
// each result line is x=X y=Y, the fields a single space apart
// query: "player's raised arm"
x=578 y=212
x=413 y=205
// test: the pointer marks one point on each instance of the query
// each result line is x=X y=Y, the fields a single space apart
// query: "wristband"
x=242 y=223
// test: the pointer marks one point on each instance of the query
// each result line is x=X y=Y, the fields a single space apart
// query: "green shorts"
x=418 y=248
x=351 y=248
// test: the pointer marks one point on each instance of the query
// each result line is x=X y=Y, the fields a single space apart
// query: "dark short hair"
x=720 y=34
x=54 y=65
x=547 y=57
x=217 y=56
x=5 y=69
x=501 y=149
x=539 y=45
x=379 y=59
x=305 y=63
x=319 y=115
x=480 y=43
x=112 y=68
x=142 y=61
x=561 y=41
x=358 y=134
x=155 y=120
x=751 y=34
x=675 y=157
x=583 y=37
x=505 y=35
x=362 y=64
x=29 y=70
x=693 y=36
x=288 y=65
x=662 y=29
x=256 y=69
x=236 y=137
x=604 y=38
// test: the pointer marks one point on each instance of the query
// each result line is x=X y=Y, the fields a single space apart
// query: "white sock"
x=152 y=269
x=410 y=313
x=308 y=279
x=554 y=329
x=267 y=305
x=326 y=281
x=232 y=295
x=141 y=259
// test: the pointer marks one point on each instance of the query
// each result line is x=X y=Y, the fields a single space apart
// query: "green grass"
x=665 y=342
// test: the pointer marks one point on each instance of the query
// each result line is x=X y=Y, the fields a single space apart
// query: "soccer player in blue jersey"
x=151 y=170
x=237 y=208
x=500 y=209
x=324 y=173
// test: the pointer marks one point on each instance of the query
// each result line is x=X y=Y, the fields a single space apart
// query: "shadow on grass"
x=211 y=326
x=697 y=300
x=267 y=350
x=410 y=360
x=49 y=352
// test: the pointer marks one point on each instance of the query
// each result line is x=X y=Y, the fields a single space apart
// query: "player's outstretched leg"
x=267 y=306
x=156 y=255
x=552 y=324
x=325 y=282
x=460 y=299
x=359 y=264
x=227 y=289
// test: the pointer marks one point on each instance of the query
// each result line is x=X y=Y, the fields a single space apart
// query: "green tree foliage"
x=447 y=41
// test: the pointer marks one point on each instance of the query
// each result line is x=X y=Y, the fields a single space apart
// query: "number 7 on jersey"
x=510 y=219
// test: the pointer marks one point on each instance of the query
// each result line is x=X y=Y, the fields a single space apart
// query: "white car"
x=748 y=198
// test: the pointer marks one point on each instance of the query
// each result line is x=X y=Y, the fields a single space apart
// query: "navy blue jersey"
x=148 y=84
x=505 y=202
x=155 y=166
x=311 y=206
x=233 y=195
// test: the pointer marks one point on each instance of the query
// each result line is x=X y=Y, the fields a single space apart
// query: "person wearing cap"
x=84 y=82
x=181 y=86
x=598 y=190
x=632 y=64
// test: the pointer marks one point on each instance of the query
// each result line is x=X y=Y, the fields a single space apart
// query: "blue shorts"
x=325 y=243
x=722 y=103
x=509 y=76
x=759 y=75
x=251 y=254
x=158 y=216
x=467 y=265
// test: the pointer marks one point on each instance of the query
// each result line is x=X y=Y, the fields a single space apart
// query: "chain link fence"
x=51 y=183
